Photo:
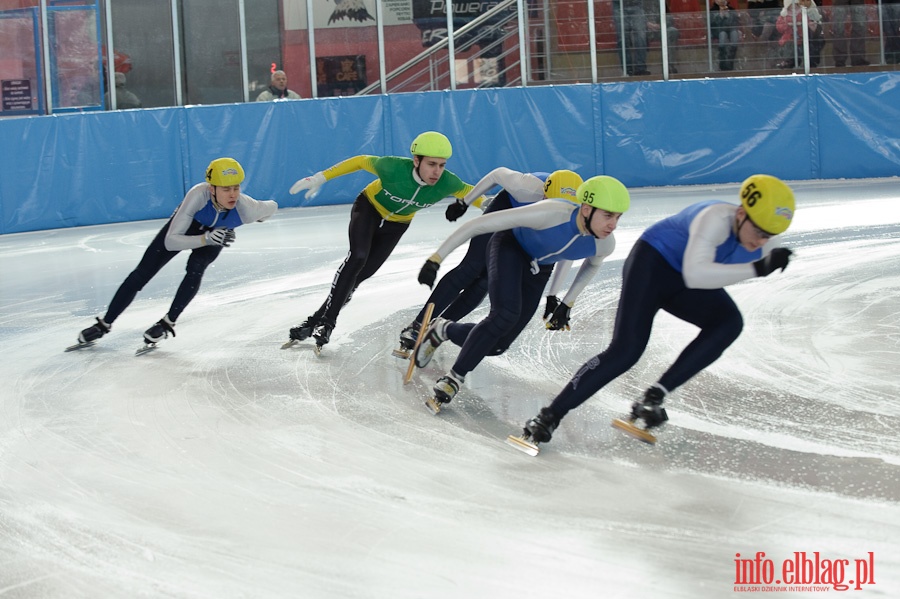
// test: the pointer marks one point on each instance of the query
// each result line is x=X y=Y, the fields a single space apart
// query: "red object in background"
x=121 y=61
x=274 y=68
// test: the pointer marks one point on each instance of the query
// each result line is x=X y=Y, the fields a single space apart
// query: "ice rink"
x=221 y=466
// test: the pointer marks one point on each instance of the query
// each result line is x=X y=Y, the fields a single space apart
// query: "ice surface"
x=222 y=466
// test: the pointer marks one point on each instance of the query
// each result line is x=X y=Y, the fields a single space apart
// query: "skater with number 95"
x=204 y=223
x=680 y=265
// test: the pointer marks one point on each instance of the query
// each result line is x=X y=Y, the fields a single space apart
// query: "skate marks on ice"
x=185 y=472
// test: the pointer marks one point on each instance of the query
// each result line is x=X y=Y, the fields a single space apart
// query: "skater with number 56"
x=680 y=265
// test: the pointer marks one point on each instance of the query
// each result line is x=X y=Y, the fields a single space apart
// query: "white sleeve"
x=560 y=271
x=193 y=202
x=252 y=211
x=589 y=268
x=525 y=187
x=537 y=216
x=700 y=270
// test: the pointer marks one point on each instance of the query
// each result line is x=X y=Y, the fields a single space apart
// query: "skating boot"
x=156 y=333
x=302 y=331
x=322 y=334
x=445 y=390
x=408 y=338
x=540 y=428
x=88 y=336
x=649 y=410
x=159 y=331
x=434 y=336
x=537 y=430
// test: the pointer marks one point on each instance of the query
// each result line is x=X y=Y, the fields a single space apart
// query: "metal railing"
x=433 y=63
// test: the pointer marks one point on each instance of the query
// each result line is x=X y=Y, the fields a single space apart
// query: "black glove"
x=429 y=273
x=455 y=210
x=777 y=258
x=552 y=303
x=559 y=321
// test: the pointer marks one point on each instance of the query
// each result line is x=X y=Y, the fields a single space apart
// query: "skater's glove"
x=311 y=184
x=552 y=303
x=223 y=237
x=429 y=271
x=559 y=320
x=456 y=210
x=777 y=258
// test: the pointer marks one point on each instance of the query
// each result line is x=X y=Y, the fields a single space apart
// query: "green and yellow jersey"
x=397 y=194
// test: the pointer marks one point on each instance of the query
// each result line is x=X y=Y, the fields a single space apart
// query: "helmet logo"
x=567 y=191
x=784 y=212
x=230 y=171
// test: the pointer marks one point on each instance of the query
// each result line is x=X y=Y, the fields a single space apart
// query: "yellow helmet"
x=604 y=192
x=431 y=143
x=768 y=202
x=224 y=172
x=562 y=184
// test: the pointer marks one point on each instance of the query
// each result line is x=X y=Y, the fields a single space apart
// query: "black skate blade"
x=80 y=345
x=434 y=405
x=638 y=433
x=403 y=354
x=147 y=348
x=289 y=344
x=523 y=445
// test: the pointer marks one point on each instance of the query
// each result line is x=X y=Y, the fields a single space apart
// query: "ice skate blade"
x=426 y=321
x=149 y=347
x=634 y=431
x=80 y=345
x=318 y=349
x=403 y=354
x=434 y=405
x=289 y=344
x=522 y=445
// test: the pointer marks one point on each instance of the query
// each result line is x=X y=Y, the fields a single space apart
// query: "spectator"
x=277 y=89
x=763 y=15
x=654 y=34
x=726 y=29
x=855 y=10
x=890 y=25
x=790 y=23
x=125 y=99
x=630 y=19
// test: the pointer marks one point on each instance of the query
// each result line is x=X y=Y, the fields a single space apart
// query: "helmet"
x=431 y=143
x=562 y=184
x=604 y=192
x=769 y=203
x=224 y=172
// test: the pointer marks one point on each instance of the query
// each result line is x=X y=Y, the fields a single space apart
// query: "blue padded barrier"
x=95 y=168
